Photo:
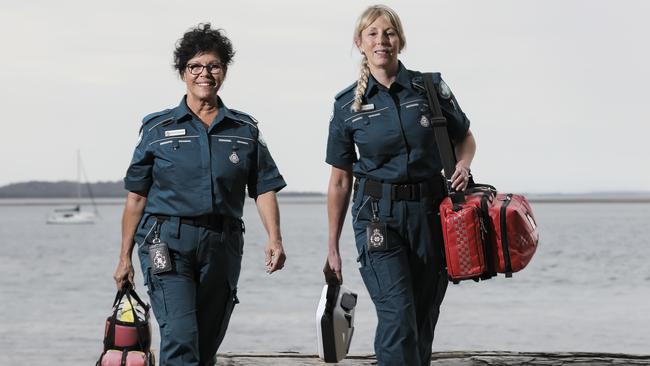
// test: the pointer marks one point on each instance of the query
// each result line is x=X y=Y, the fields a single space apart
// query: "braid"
x=361 y=85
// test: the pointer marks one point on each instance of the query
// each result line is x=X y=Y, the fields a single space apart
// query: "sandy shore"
x=447 y=358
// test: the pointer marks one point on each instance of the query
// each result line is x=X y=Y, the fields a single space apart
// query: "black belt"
x=212 y=222
x=406 y=192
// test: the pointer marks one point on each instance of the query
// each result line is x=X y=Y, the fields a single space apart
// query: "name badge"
x=367 y=107
x=172 y=133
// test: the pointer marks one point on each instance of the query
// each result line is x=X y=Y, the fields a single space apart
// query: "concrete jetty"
x=458 y=358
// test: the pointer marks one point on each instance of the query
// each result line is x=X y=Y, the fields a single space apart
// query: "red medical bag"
x=488 y=233
x=484 y=231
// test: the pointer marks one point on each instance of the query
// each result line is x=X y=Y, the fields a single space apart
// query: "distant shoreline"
x=316 y=198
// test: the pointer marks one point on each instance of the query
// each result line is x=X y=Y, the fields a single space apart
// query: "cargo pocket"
x=231 y=301
x=369 y=276
x=370 y=280
x=156 y=292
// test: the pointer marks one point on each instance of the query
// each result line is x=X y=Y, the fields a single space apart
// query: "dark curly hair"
x=199 y=40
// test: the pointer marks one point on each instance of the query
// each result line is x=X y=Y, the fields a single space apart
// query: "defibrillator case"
x=335 y=322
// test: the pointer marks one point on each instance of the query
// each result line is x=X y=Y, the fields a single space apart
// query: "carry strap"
x=125 y=353
x=439 y=123
x=140 y=325
x=110 y=336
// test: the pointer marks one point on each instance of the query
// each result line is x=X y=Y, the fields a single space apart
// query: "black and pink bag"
x=127 y=342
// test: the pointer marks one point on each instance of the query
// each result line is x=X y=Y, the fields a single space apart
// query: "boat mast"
x=78 y=178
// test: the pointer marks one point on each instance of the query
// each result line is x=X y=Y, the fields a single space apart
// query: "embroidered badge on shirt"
x=424 y=121
x=234 y=158
x=367 y=107
x=172 y=133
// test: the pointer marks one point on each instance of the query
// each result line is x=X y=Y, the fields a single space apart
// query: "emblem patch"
x=234 y=158
x=377 y=236
x=424 y=121
x=159 y=256
x=159 y=260
x=445 y=92
x=376 y=239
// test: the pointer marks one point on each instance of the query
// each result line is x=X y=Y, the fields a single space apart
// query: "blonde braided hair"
x=362 y=84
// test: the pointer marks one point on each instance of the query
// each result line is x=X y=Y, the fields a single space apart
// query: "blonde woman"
x=397 y=189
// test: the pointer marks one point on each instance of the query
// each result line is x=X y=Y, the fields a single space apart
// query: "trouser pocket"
x=231 y=301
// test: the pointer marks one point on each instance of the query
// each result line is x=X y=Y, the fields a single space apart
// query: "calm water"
x=587 y=288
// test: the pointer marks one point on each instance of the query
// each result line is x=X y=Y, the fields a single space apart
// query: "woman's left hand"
x=275 y=256
x=460 y=178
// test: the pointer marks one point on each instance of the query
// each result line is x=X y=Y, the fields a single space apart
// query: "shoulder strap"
x=443 y=142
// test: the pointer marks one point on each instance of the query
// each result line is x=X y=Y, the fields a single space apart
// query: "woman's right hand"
x=332 y=269
x=124 y=273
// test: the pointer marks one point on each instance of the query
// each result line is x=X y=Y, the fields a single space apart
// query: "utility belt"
x=382 y=197
x=212 y=222
x=432 y=188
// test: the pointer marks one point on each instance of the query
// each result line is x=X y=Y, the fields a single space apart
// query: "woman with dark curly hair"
x=187 y=183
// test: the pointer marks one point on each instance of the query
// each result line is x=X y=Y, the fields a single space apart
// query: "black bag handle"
x=140 y=325
x=479 y=187
x=439 y=123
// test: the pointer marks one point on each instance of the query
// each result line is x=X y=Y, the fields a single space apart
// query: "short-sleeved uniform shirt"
x=391 y=139
x=188 y=170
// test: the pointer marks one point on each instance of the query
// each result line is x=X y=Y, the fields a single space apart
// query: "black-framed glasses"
x=197 y=69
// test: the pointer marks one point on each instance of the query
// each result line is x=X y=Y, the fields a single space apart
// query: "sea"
x=587 y=289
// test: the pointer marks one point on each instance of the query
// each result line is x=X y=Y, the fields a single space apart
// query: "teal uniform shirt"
x=392 y=132
x=188 y=170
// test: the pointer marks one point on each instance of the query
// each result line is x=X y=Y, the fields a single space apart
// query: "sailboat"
x=75 y=215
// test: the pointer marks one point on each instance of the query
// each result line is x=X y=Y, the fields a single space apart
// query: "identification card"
x=377 y=236
x=161 y=262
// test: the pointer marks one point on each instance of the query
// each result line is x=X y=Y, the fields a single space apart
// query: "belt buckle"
x=403 y=192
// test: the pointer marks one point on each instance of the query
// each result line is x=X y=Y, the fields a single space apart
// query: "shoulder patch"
x=150 y=117
x=444 y=90
x=345 y=91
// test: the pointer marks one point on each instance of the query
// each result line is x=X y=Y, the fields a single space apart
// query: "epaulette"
x=346 y=90
x=245 y=117
x=418 y=80
x=152 y=116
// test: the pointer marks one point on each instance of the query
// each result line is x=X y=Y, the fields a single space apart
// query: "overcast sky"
x=557 y=91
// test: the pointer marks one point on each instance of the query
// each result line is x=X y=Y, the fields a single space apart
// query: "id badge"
x=377 y=236
x=161 y=262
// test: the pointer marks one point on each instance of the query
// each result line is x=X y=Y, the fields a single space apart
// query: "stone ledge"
x=458 y=358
